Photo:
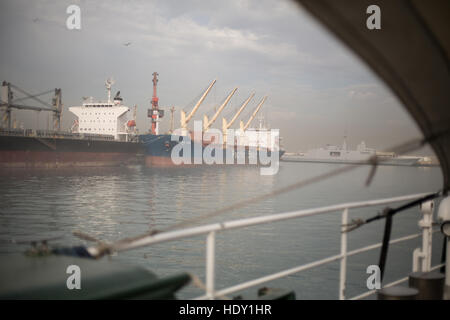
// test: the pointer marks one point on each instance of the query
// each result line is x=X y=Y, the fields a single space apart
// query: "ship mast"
x=134 y=118
x=172 y=110
x=155 y=113
x=244 y=127
x=207 y=124
x=184 y=120
x=108 y=84
x=57 y=105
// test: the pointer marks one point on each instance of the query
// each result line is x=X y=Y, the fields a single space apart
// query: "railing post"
x=210 y=264
x=343 y=268
x=422 y=256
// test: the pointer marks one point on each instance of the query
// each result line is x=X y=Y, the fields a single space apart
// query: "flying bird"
x=127 y=44
x=35 y=20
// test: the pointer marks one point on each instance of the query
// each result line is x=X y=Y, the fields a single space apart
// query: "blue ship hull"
x=159 y=151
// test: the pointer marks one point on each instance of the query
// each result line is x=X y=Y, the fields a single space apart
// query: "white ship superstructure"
x=261 y=137
x=103 y=118
x=341 y=154
x=332 y=152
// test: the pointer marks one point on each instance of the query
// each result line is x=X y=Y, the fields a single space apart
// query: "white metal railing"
x=421 y=256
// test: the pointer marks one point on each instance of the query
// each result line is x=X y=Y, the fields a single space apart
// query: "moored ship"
x=341 y=154
x=101 y=136
x=206 y=145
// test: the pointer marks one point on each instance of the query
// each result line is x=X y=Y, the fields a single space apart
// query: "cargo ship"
x=206 y=145
x=341 y=154
x=101 y=135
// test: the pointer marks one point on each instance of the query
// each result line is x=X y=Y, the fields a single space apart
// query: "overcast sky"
x=318 y=90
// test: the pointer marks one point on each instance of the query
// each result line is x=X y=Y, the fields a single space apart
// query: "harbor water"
x=114 y=203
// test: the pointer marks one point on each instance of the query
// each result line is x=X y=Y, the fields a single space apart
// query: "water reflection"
x=112 y=203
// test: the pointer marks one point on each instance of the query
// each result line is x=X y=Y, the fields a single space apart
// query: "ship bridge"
x=103 y=118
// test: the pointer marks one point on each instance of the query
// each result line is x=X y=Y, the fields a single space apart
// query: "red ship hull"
x=39 y=152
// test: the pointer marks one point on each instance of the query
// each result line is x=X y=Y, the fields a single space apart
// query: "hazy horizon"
x=318 y=90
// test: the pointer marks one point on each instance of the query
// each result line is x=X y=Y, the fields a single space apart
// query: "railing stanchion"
x=210 y=264
x=422 y=256
x=427 y=241
x=343 y=271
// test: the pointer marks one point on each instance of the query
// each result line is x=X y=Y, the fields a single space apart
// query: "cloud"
x=315 y=84
x=361 y=94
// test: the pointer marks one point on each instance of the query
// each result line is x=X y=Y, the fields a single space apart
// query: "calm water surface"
x=114 y=203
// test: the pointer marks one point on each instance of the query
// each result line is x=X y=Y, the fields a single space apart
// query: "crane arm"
x=254 y=114
x=240 y=110
x=185 y=119
x=207 y=124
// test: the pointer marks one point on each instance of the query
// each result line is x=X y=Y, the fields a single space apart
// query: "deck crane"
x=185 y=119
x=8 y=103
x=155 y=113
x=245 y=127
x=208 y=123
x=226 y=125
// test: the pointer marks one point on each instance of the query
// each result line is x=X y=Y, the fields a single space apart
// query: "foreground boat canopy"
x=55 y=277
x=410 y=53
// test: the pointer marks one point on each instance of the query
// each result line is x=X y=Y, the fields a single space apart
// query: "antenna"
x=172 y=109
x=108 y=84
x=344 y=146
